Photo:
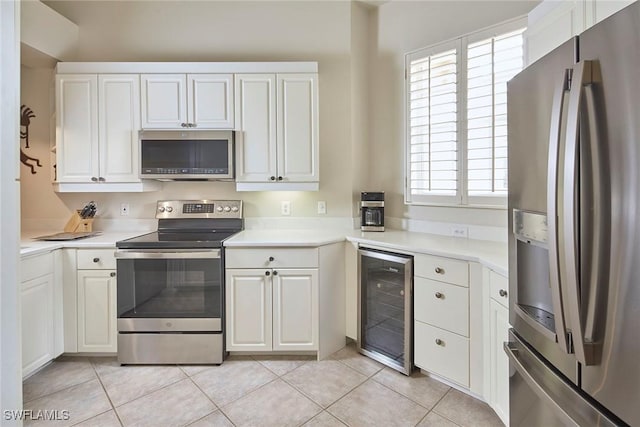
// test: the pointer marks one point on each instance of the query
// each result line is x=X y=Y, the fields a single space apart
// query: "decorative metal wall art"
x=26 y=114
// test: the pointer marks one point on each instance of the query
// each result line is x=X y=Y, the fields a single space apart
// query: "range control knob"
x=160 y=208
x=234 y=209
x=219 y=208
x=169 y=209
x=227 y=209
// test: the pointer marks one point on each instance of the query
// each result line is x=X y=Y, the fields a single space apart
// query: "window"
x=456 y=148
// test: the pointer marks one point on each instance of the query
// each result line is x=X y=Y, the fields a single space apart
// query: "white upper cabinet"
x=553 y=22
x=77 y=128
x=97 y=124
x=176 y=101
x=118 y=124
x=277 y=120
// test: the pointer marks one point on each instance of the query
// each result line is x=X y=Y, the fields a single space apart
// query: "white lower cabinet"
x=442 y=352
x=97 y=329
x=272 y=310
x=41 y=325
x=90 y=301
x=498 y=334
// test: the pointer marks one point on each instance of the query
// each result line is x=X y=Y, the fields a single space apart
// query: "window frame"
x=462 y=198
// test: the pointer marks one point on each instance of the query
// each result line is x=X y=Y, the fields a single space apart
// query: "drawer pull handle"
x=439 y=341
x=271 y=259
x=279 y=178
x=275 y=273
x=94 y=179
x=502 y=293
x=96 y=260
x=439 y=270
x=273 y=178
x=439 y=295
x=267 y=273
x=112 y=274
x=402 y=292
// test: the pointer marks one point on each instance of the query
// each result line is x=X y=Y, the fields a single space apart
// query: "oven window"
x=169 y=288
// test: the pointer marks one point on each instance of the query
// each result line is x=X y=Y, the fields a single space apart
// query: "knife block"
x=78 y=224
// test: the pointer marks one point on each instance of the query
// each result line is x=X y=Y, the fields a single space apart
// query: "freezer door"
x=540 y=397
x=613 y=46
x=537 y=104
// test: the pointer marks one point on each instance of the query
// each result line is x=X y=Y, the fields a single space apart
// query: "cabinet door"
x=295 y=309
x=256 y=121
x=298 y=128
x=77 y=127
x=248 y=310
x=602 y=9
x=499 y=378
x=119 y=123
x=210 y=98
x=37 y=323
x=550 y=24
x=164 y=101
x=97 y=329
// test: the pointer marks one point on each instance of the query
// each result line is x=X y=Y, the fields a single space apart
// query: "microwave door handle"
x=556 y=144
x=578 y=302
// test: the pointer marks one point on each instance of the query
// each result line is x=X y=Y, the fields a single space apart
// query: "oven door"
x=169 y=290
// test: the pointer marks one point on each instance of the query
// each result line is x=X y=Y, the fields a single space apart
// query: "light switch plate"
x=322 y=207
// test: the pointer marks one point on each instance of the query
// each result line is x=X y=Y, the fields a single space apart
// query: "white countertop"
x=491 y=254
x=30 y=246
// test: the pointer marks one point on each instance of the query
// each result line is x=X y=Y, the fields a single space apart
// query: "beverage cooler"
x=385 y=308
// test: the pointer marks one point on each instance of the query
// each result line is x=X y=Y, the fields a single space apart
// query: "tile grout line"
x=106 y=393
x=218 y=408
x=59 y=390
x=438 y=413
x=35 y=374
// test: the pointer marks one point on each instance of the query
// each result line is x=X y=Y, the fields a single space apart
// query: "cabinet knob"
x=96 y=260
x=271 y=259
x=192 y=125
x=184 y=125
x=101 y=179
x=439 y=341
x=94 y=179
x=502 y=293
x=439 y=295
x=279 y=178
x=275 y=273
x=273 y=178
x=439 y=270
x=267 y=273
x=112 y=274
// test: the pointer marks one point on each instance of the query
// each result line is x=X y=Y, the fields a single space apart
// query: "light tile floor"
x=346 y=389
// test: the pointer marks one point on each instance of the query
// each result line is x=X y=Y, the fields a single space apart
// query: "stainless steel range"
x=171 y=284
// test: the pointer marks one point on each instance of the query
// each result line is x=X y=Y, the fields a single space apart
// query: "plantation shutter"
x=432 y=81
x=490 y=64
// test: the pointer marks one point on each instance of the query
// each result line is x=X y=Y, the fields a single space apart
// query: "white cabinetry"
x=277 y=116
x=41 y=297
x=285 y=299
x=498 y=319
x=441 y=317
x=552 y=23
x=175 y=101
x=97 y=123
x=96 y=301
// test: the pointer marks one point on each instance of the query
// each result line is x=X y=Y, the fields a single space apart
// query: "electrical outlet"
x=459 y=231
x=285 y=207
x=124 y=209
x=322 y=207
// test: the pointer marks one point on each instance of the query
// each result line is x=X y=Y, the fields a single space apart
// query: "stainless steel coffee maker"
x=372 y=211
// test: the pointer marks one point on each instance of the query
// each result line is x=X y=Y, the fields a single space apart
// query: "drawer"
x=441 y=304
x=282 y=258
x=36 y=266
x=96 y=259
x=441 y=352
x=499 y=284
x=442 y=269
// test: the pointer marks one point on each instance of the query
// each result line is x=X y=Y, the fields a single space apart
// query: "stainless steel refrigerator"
x=574 y=241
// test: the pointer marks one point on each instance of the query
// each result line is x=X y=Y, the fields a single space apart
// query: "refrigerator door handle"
x=570 y=276
x=556 y=144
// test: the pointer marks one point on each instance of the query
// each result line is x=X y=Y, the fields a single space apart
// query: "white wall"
x=404 y=26
x=213 y=31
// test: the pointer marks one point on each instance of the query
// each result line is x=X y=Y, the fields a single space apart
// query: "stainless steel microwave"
x=170 y=155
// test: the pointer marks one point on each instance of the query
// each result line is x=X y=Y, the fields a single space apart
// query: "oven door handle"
x=158 y=254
